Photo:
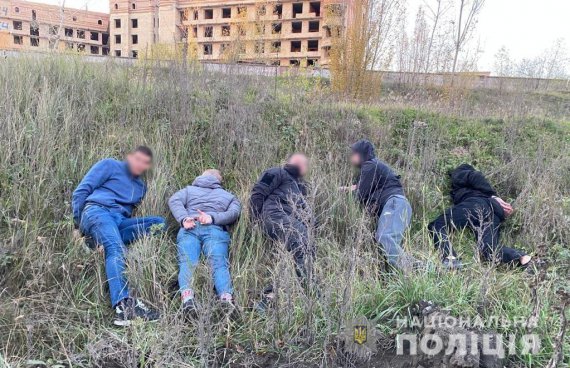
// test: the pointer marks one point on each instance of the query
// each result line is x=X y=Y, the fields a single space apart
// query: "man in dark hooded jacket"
x=379 y=189
x=278 y=203
x=475 y=205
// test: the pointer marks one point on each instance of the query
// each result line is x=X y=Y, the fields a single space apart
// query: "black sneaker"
x=130 y=309
x=263 y=305
x=189 y=309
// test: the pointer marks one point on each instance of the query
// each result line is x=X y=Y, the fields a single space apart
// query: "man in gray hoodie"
x=204 y=210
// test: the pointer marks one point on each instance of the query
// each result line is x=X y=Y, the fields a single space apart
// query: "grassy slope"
x=59 y=117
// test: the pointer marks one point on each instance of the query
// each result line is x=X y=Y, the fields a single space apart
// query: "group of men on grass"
x=104 y=201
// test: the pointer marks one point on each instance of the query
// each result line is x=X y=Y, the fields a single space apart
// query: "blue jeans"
x=392 y=224
x=214 y=241
x=114 y=231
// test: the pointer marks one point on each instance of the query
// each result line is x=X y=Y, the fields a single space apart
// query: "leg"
x=216 y=249
x=296 y=239
x=188 y=245
x=102 y=226
x=491 y=249
x=134 y=228
x=454 y=217
x=392 y=224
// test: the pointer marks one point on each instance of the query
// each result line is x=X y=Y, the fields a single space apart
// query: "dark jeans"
x=478 y=215
x=295 y=235
x=114 y=231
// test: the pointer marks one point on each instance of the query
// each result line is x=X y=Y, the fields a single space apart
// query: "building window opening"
x=80 y=34
x=208 y=13
x=134 y=54
x=314 y=26
x=118 y=39
x=117 y=23
x=18 y=40
x=68 y=32
x=100 y=22
x=276 y=28
x=81 y=47
x=135 y=39
x=276 y=46
x=34 y=15
x=226 y=30
x=34 y=31
x=35 y=42
x=278 y=10
x=135 y=23
x=312 y=62
x=295 y=46
x=295 y=62
x=17 y=25
x=208 y=31
x=226 y=12
x=117 y=7
x=313 y=45
x=208 y=49
x=94 y=36
x=296 y=27
x=95 y=50
x=118 y=53
x=134 y=6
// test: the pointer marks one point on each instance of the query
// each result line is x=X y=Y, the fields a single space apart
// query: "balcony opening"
x=278 y=10
x=226 y=12
x=296 y=27
x=313 y=45
x=297 y=9
x=314 y=26
x=208 y=13
x=295 y=46
x=315 y=7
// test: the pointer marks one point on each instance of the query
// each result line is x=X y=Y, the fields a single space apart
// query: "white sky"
x=525 y=27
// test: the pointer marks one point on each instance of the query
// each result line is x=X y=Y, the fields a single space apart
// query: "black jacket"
x=376 y=182
x=468 y=183
x=279 y=193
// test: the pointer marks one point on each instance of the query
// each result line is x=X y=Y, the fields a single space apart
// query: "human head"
x=300 y=161
x=139 y=160
x=361 y=151
x=213 y=172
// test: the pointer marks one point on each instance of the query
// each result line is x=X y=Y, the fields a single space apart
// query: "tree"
x=469 y=11
x=503 y=66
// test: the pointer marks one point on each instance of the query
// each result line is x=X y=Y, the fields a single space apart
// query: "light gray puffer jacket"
x=205 y=194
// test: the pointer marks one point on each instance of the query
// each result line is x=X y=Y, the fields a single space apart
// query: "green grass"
x=59 y=116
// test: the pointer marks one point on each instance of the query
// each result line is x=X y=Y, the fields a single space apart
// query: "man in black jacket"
x=278 y=203
x=475 y=205
x=379 y=189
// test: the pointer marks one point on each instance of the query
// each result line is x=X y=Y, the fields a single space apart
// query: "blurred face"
x=301 y=162
x=139 y=163
x=355 y=159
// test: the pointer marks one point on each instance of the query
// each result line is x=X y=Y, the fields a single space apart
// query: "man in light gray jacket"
x=204 y=210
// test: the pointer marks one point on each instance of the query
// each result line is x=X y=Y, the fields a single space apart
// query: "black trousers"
x=295 y=235
x=478 y=215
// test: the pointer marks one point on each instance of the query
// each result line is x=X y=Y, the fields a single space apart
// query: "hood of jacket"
x=207 y=181
x=459 y=172
x=365 y=149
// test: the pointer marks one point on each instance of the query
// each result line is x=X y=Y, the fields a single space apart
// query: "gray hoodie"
x=205 y=194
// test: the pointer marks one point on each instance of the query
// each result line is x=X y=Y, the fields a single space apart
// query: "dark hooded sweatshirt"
x=377 y=182
x=279 y=194
x=468 y=183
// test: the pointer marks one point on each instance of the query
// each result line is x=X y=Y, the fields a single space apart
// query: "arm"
x=95 y=177
x=229 y=216
x=177 y=205
x=270 y=180
x=477 y=181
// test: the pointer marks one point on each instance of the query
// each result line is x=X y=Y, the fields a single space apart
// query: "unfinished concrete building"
x=33 y=26
x=285 y=33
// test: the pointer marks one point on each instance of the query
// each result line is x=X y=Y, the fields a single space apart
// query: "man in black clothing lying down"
x=475 y=205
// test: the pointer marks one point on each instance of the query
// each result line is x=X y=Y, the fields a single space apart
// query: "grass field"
x=61 y=115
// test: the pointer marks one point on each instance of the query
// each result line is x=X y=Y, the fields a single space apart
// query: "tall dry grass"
x=61 y=115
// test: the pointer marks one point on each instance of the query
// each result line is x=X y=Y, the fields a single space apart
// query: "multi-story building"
x=277 y=32
x=27 y=25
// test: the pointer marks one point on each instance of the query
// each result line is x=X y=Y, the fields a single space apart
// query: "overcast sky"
x=525 y=27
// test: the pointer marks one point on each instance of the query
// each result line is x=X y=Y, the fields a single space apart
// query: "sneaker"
x=190 y=309
x=228 y=307
x=534 y=266
x=130 y=309
x=263 y=305
x=452 y=264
